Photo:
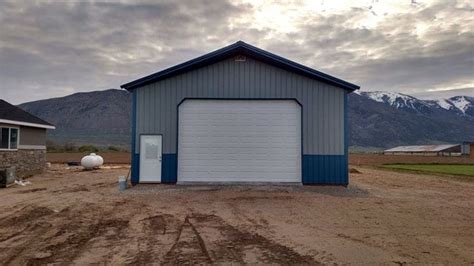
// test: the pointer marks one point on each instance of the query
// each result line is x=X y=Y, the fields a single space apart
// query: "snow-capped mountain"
x=398 y=100
x=464 y=104
x=445 y=104
x=461 y=105
x=385 y=119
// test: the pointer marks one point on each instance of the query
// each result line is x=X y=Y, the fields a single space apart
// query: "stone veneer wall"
x=26 y=162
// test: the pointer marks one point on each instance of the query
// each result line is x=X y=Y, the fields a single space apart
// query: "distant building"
x=22 y=140
x=467 y=149
x=428 y=150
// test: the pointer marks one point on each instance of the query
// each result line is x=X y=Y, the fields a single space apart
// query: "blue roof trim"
x=240 y=48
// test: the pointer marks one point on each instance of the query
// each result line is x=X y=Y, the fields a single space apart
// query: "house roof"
x=423 y=148
x=10 y=114
x=240 y=48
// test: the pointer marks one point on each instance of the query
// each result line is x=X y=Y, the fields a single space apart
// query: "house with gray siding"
x=22 y=140
x=240 y=114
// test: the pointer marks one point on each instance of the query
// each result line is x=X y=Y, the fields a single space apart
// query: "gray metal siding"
x=323 y=104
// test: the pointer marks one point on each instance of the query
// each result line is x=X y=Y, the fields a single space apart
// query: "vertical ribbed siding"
x=323 y=105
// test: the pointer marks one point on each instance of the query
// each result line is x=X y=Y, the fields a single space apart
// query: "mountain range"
x=99 y=117
x=386 y=119
x=460 y=105
x=377 y=119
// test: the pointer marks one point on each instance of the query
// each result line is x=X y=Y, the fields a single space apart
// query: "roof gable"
x=11 y=114
x=240 y=48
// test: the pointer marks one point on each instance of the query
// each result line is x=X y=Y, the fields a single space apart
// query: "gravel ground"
x=71 y=216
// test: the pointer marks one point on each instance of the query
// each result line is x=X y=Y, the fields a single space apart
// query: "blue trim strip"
x=135 y=157
x=244 y=49
x=169 y=168
x=325 y=170
x=135 y=168
x=346 y=136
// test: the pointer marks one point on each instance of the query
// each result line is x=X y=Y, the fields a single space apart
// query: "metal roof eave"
x=234 y=49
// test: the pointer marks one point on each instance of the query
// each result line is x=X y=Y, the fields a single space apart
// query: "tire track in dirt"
x=77 y=242
x=156 y=223
x=207 y=239
x=155 y=234
x=68 y=232
x=31 y=190
x=21 y=227
x=23 y=222
x=202 y=245
x=189 y=247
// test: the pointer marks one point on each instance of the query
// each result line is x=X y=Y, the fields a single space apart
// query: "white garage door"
x=239 y=141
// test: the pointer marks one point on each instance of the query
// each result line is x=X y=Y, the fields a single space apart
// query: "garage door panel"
x=221 y=156
x=236 y=142
x=237 y=147
x=239 y=141
x=200 y=163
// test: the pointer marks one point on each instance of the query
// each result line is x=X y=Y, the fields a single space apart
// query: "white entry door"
x=150 y=158
x=239 y=141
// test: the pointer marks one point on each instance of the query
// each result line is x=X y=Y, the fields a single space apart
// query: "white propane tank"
x=99 y=161
x=92 y=161
x=88 y=161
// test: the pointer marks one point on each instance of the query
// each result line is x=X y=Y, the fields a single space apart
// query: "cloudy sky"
x=55 y=48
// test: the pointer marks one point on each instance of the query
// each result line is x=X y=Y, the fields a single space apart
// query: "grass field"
x=452 y=169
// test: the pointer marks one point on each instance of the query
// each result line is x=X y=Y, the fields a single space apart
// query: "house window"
x=9 y=138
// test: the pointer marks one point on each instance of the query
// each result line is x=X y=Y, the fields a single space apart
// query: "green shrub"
x=113 y=148
x=51 y=146
x=70 y=147
x=88 y=148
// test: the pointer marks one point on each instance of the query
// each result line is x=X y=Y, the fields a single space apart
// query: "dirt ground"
x=378 y=159
x=72 y=216
x=354 y=158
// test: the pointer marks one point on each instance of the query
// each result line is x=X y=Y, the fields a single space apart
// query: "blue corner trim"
x=169 y=165
x=325 y=170
x=135 y=157
x=243 y=48
x=135 y=168
x=346 y=135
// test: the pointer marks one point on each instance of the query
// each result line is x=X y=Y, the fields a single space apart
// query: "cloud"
x=395 y=54
x=50 y=48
